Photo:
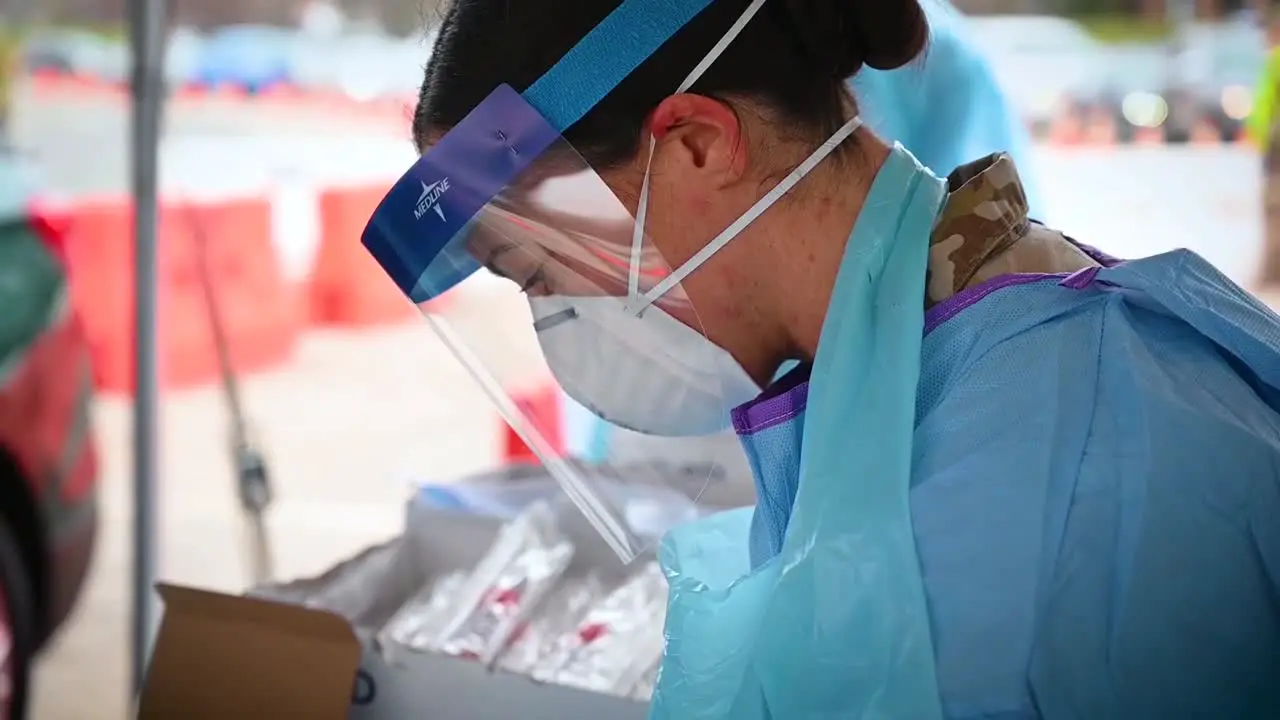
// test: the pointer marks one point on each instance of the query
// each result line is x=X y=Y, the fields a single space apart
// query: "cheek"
x=680 y=222
x=716 y=311
x=680 y=219
x=624 y=183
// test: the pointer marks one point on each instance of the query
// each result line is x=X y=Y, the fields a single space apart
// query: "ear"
x=698 y=137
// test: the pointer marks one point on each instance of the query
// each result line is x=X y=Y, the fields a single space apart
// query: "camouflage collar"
x=982 y=217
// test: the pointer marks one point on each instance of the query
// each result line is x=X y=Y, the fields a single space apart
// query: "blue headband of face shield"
x=418 y=232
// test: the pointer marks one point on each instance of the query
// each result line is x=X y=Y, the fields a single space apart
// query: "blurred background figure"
x=1262 y=131
x=14 y=20
x=948 y=107
x=10 y=57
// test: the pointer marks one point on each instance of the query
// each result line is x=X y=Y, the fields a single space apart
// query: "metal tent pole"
x=146 y=22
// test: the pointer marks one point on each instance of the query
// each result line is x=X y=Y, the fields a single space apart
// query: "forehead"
x=563 y=212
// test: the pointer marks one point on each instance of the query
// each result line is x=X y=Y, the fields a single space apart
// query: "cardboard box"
x=223 y=656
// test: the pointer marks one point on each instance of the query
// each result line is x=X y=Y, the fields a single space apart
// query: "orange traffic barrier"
x=1204 y=133
x=259 y=315
x=244 y=277
x=1148 y=136
x=1101 y=129
x=55 y=82
x=542 y=408
x=227 y=91
x=280 y=93
x=188 y=93
x=1066 y=130
x=347 y=286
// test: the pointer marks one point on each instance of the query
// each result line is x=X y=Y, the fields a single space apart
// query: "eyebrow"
x=576 y=265
x=490 y=262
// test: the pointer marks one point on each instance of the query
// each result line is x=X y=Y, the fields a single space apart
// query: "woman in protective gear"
x=1010 y=476
x=947 y=108
x=1262 y=127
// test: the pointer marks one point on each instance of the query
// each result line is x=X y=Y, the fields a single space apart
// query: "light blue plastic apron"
x=835 y=625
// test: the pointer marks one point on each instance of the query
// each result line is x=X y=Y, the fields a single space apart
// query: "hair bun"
x=844 y=35
x=895 y=31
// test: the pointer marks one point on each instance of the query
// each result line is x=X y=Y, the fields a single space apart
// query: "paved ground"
x=1137 y=201
x=356 y=414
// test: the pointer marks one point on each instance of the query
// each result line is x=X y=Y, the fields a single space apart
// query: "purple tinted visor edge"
x=418 y=231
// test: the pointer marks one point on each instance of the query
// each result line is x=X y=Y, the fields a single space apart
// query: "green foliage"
x=1124 y=28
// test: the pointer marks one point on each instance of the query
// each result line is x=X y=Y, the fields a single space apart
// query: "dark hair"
x=793 y=58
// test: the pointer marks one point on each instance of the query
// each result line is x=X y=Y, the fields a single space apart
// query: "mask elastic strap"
x=637 y=305
x=637 y=236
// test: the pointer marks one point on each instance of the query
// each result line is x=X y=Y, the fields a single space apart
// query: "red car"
x=48 y=467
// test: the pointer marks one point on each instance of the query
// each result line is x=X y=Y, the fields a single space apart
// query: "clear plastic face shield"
x=503 y=190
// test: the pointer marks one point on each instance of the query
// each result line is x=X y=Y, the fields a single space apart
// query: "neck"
x=805 y=248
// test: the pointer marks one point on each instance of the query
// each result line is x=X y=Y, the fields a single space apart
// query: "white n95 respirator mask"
x=648 y=373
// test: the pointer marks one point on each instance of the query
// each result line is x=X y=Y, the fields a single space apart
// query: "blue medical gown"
x=1096 y=499
x=947 y=107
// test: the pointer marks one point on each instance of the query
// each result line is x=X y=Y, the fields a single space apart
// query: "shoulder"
x=1136 y=394
x=1199 y=415
x=1167 y=474
x=1131 y=364
x=1121 y=439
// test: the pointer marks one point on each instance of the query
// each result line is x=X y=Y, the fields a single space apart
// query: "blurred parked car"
x=48 y=466
x=367 y=67
x=1049 y=65
x=1135 y=89
x=74 y=52
x=1205 y=77
x=10 y=71
x=1157 y=88
x=1234 y=53
x=83 y=54
x=112 y=61
x=1230 y=100
x=51 y=53
x=182 y=57
x=364 y=66
x=382 y=68
x=313 y=64
x=254 y=58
